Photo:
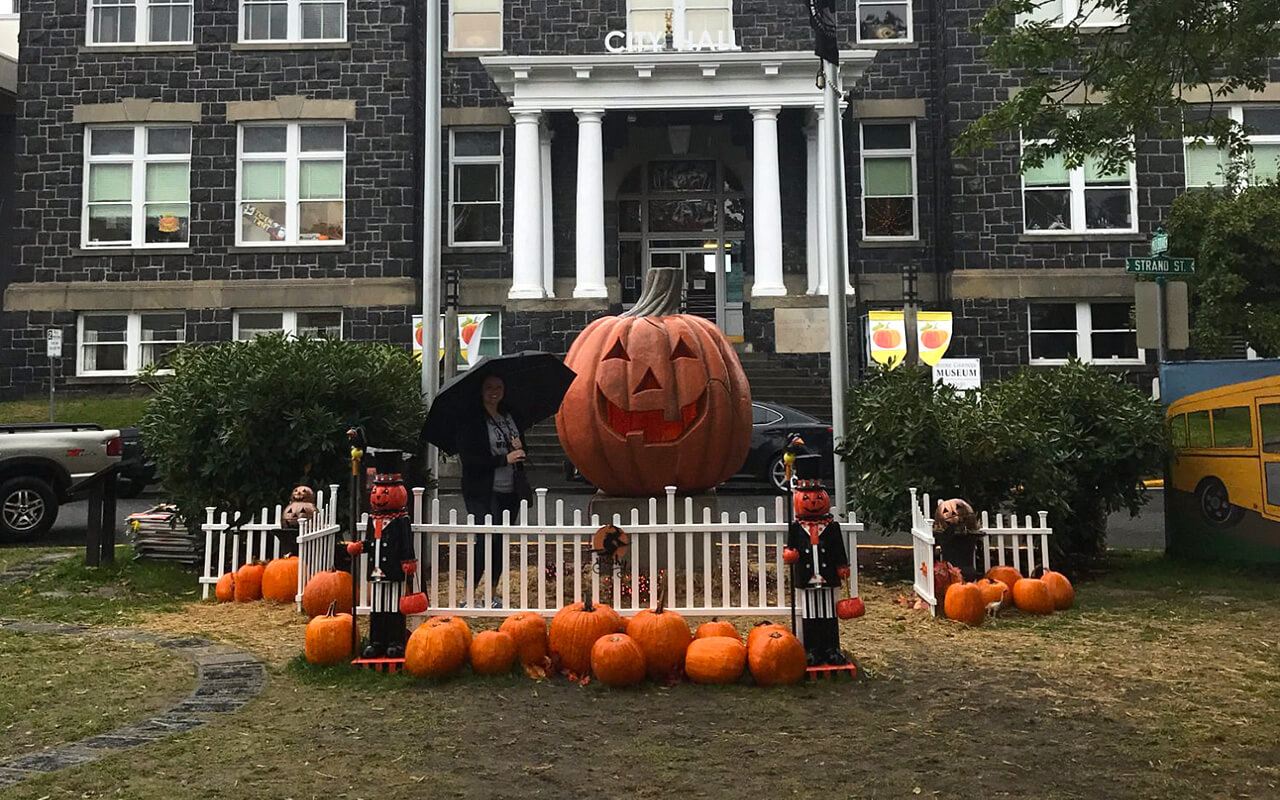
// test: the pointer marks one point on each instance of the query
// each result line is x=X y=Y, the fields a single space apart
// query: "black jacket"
x=397 y=546
x=831 y=554
x=479 y=462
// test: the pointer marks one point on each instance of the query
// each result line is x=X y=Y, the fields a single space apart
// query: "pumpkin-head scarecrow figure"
x=819 y=564
x=955 y=529
x=388 y=540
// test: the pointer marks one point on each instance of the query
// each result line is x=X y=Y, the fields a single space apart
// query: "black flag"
x=822 y=17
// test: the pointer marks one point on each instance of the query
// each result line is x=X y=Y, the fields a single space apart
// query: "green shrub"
x=239 y=424
x=1073 y=441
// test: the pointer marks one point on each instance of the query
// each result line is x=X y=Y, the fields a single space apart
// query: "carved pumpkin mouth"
x=653 y=424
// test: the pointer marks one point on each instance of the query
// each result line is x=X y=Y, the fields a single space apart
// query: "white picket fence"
x=1020 y=542
x=226 y=548
x=725 y=567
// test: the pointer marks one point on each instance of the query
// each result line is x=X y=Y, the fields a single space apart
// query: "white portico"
x=595 y=86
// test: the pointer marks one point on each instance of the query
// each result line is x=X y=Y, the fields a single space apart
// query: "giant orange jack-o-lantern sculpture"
x=660 y=398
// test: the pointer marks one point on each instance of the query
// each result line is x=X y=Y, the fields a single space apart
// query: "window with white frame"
x=139 y=22
x=312 y=322
x=1099 y=331
x=123 y=343
x=884 y=21
x=694 y=23
x=137 y=189
x=475 y=186
x=292 y=183
x=1089 y=13
x=1207 y=164
x=1084 y=199
x=293 y=20
x=475 y=25
x=889 y=180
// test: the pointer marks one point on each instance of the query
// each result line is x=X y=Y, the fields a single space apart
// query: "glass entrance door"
x=719 y=301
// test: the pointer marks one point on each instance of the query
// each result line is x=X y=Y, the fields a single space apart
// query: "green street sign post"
x=1159 y=266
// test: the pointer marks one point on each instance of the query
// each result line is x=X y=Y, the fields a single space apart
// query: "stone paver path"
x=227 y=678
x=25 y=569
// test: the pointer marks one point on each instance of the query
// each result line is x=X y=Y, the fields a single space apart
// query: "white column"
x=548 y=239
x=767 y=201
x=590 y=225
x=526 y=230
x=812 y=242
x=824 y=198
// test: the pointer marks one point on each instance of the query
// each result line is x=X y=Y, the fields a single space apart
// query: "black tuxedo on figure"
x=386 y=623
x=397 y=546
x=831 y=553
x=820 y=629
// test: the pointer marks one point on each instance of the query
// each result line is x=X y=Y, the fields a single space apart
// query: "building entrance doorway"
x=687 y=213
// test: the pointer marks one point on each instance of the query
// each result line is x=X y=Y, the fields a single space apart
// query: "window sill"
x=1105 y=362
x=101 y=380
x=89 y=49
x=291 y=46
x=885 y=244
x=890 y=44
x=473 y=53
x=100 y=252
x=293 y=249
x=1071 y=236
x=459 y=249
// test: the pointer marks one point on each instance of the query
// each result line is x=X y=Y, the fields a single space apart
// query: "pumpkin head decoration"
x=617 y=660
x=302 y=505
x=660 y=398
x=328 y=638
x=280 y=580
x=330 y=586
x=811 y=502
x=388 y=497
x=955 y=515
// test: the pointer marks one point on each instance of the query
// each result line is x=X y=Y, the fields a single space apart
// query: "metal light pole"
x=431 y=219
x=910 y=305
x=837 y=324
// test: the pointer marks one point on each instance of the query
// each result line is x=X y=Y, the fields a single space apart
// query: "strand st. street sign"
x=1159 y=265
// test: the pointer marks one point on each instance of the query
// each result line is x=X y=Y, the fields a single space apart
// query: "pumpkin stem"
x=586 y=600
x=662 y=591
x=662 y=294
x=333 y=606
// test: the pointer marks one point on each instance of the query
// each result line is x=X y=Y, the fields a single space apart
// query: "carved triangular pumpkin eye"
x=682 y=350
x=617 y=351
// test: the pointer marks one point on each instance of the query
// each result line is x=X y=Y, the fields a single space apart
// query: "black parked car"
x=137 y=471
x=771 y=424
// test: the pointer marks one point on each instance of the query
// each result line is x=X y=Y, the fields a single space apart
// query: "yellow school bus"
x=1227 y=450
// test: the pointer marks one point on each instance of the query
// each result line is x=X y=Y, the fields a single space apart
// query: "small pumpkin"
x=715 y=659
x=249 y=582
x=965 y=603
x=225 y=591
x=617 y=660
x=280 y=580
x=529 y=632
x=457 y=622
x=328 y=638
x=330 y=586
x=662 y=636
x=994 y=591
x=435 y=651
x=775 y=658
x=492 y=653
x=574 y=631
x=850 y=608
x=1060 y=589
x=764 y=628
x=717 y=627
x=1032 y=596
x=1006 y=575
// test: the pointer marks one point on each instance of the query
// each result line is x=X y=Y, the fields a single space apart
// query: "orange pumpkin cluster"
x=1004 y=586
x=275 y=580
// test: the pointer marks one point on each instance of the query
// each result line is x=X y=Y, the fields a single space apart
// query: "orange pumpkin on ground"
x=280 y=580
x=492 y=653
x=1060 y=589
x=717 y=627
x=249 y=582
x=328 y=638
x=617 y=660
x=529 y=632
x=1006 y=575
x=1032 y=596
x=435 y=651
x=662 y=636
x=225 y=591
x=775 y=658
x=764 y=628
x=660 y=398
x=324 y=588
x=965 y=603
x=457 y=622
x=574 y=631
x=994 y=592
x=715 y=659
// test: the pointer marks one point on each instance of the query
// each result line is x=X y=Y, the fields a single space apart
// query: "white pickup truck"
x=39 y=462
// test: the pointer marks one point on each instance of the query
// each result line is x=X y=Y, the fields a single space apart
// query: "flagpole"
x=431 y=223
x=837 y=326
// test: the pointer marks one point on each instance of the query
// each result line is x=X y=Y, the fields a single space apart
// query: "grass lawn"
x=9 y=556
x=1163 y=682
x=112 y=411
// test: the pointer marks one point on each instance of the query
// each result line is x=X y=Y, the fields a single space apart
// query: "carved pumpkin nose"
x=647 y=382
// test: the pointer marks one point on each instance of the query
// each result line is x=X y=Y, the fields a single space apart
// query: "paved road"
x=1145 y=532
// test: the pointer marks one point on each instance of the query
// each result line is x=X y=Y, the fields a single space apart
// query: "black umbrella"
x=535 y=384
